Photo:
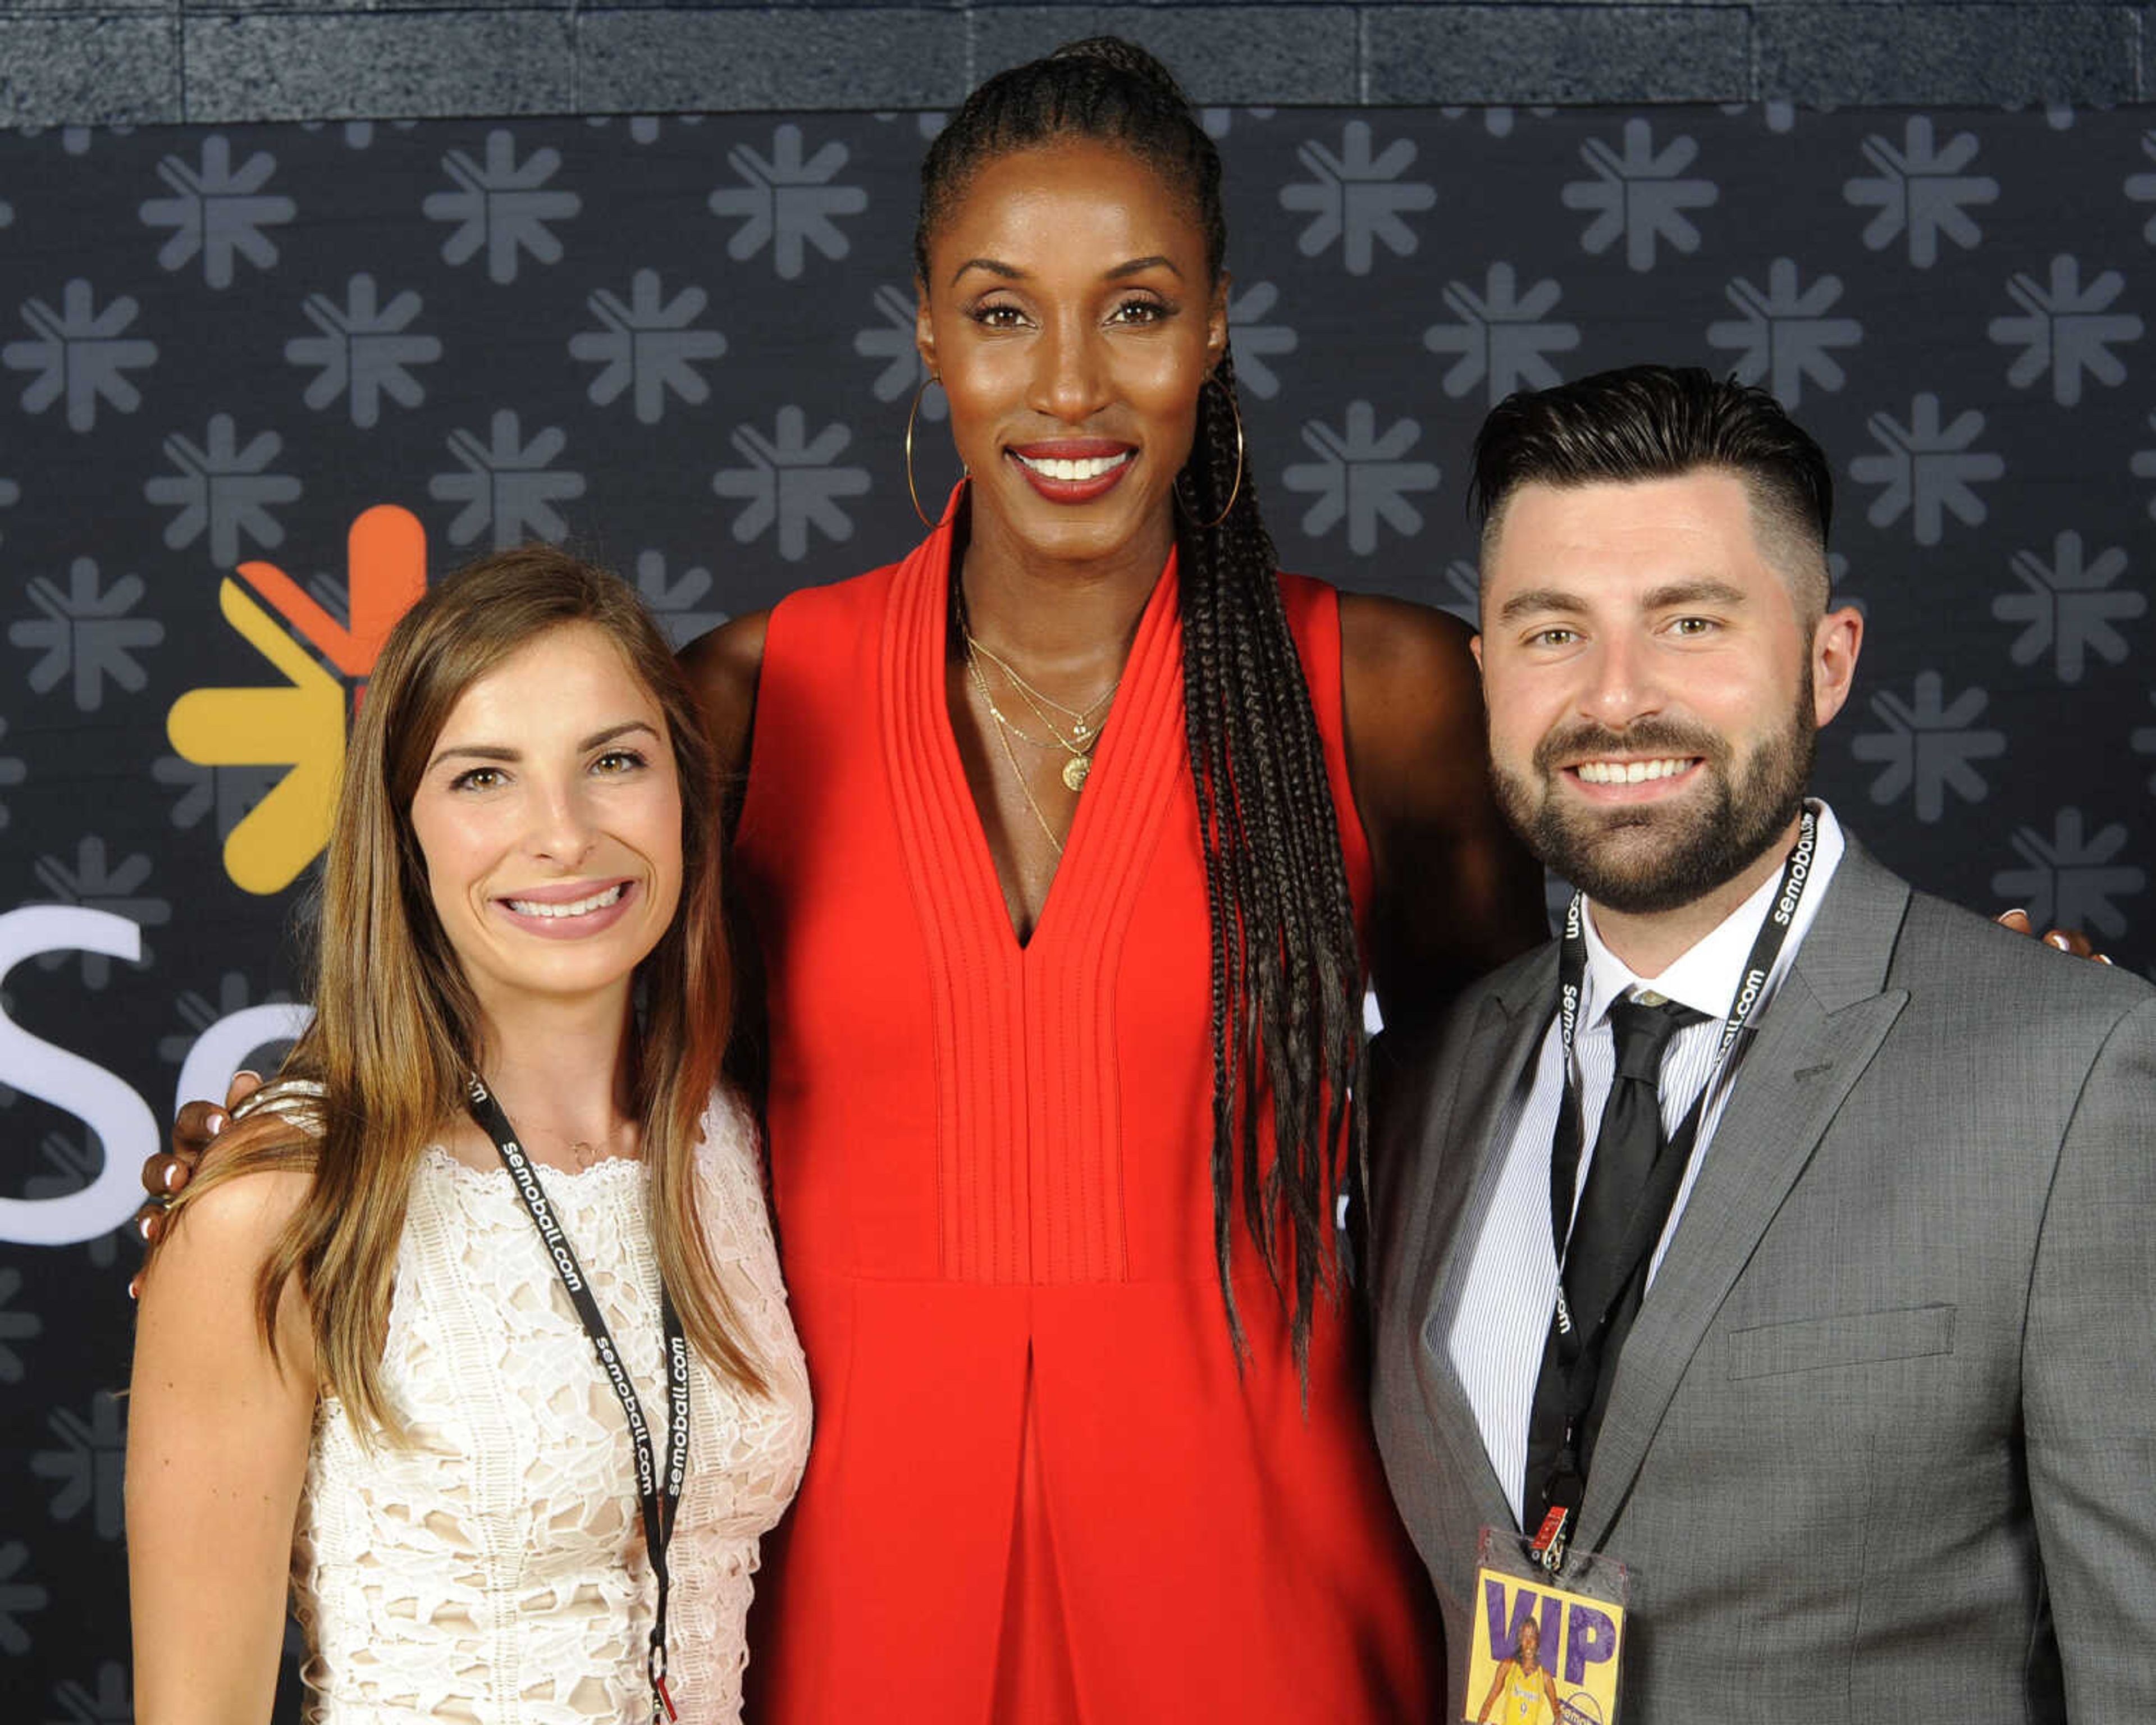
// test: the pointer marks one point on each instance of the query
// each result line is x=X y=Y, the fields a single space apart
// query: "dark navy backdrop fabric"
x=687 y=346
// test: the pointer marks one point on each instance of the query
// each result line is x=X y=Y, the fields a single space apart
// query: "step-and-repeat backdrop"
x=258 y=384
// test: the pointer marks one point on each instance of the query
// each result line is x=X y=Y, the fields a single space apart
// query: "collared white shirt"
x=1491 y=1318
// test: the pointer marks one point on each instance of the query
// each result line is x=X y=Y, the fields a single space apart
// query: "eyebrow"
x=1538 y=599
x=1008 y=272
x=1706 y=590
x=496 y=751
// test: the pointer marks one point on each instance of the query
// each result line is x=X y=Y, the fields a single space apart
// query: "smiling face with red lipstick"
x=1071 y=315
x=549 y=816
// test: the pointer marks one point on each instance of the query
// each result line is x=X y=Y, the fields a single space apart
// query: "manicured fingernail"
x=134 y=1287
x=249 y=1072
x=147 y=1226
x=172 y=1177
x=2100 y=957
x=214 y=1119
x=2058 y=940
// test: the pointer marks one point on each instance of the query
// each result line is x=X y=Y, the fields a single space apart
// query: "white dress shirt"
x=1492 y=1317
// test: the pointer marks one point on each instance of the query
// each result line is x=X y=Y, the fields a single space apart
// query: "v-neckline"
x=1158 y=633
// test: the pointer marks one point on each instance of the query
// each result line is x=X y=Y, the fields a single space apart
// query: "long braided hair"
x=1287 y=979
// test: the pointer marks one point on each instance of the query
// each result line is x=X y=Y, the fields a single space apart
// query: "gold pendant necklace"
x=1080 y=752
x=1080 y=719
x=1076 y=769
x=1085 y=735
x=1002 y=727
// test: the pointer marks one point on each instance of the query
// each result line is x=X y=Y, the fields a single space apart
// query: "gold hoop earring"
x=1236 y=489
x=912 y=416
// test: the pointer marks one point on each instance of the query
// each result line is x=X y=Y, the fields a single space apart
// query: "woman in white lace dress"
x=372 y=1353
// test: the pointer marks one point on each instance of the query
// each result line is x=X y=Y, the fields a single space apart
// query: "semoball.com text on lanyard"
x=1581 y=1334
x=659 y=1495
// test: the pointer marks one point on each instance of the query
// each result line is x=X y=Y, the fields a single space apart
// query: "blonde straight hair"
x=396 y=1026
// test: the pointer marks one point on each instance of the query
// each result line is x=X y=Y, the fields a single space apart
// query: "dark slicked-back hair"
x=1286 y=976
x=1658 y=422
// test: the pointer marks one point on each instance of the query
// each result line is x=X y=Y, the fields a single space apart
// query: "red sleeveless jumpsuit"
x=1038 y=1490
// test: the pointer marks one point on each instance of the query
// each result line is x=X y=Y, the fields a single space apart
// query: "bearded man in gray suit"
x=1851 y=1359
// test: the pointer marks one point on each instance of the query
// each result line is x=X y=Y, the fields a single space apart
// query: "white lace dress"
x=495 y=1572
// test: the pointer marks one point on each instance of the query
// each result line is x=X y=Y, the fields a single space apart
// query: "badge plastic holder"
x=1571 y=1626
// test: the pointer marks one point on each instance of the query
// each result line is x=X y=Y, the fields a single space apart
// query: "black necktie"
x=1631 y=1184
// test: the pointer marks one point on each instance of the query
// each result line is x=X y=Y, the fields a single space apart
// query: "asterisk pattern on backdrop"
x=255 y=382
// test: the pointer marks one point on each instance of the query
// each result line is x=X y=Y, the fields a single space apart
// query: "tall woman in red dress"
x=1061 y=838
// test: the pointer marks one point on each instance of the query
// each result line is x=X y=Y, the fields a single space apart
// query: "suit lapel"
x=1813 y=1043
x=1505 y=1037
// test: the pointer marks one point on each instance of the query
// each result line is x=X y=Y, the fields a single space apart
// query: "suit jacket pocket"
x=1850 y=1339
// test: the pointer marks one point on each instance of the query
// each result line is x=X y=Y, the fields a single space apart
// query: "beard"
x=1644 y=859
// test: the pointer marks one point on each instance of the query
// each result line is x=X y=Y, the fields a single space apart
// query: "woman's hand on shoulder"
x=218 y=1430
x=166 y=1174
x=723 y=667
x=1456 y=893
x=212 y=1244
x=2066 y=940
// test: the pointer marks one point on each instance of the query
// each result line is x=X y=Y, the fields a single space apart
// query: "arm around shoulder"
x=723 y=667
x=218 y=1430
x=1456 y=893
x=2089 y=1379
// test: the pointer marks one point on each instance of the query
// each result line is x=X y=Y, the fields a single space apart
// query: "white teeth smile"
x=574 y=907
x=1091 y=467
x=1628 y=772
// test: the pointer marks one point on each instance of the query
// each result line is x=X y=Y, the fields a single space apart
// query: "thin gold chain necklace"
x=1080 y=719
x=1003 y=726
x=1085 y=736
x=1077 y=768
x=1003 y=718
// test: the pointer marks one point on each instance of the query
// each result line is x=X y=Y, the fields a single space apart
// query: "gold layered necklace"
x=1080 y=722
x=1085 y=735
x=1004 y=731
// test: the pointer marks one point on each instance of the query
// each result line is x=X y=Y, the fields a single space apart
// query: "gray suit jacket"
x=1883 y=1444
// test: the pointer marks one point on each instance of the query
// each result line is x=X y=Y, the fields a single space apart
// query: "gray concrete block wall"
x=108 y=61
x=1224 y=53
x=102 y=69
x=351 y=65
x=677 y=60
x=1536 y=53
x=1856 y=53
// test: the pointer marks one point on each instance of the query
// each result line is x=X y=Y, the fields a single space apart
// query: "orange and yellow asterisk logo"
x=301 y=725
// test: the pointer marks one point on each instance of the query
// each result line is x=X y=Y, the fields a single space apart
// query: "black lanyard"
x=658 y=1497
x=1572 y=985
x=1566 y=1147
